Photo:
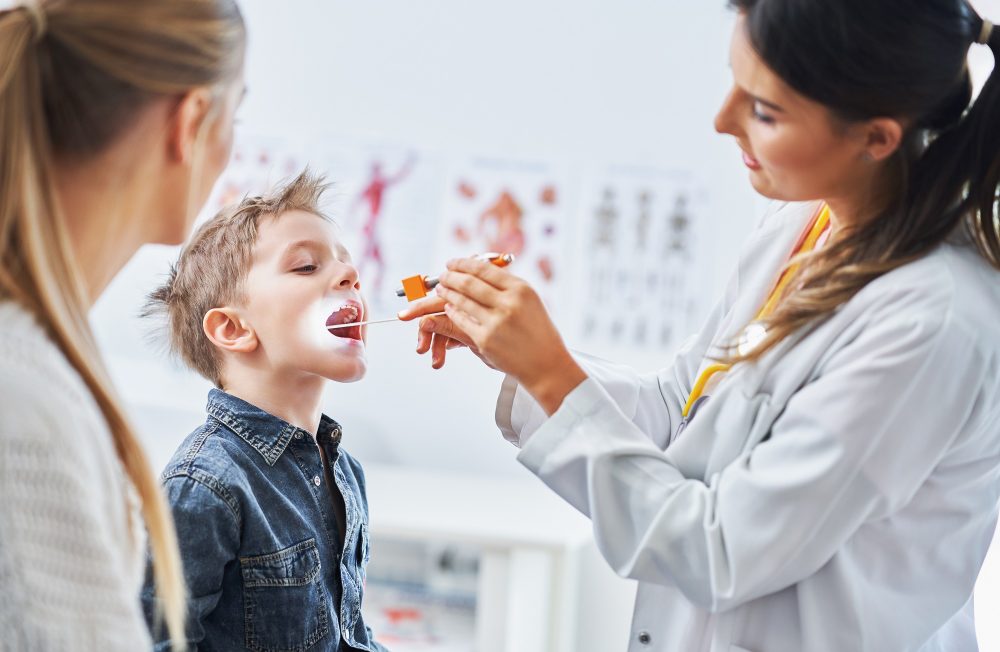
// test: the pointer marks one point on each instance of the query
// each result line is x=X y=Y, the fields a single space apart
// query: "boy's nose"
x=347 y=277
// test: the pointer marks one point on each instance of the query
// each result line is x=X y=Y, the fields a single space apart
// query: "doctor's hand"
x=436 y=334
x=502 y=318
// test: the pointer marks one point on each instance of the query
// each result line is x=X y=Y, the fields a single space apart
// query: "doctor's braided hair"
x=864 y=59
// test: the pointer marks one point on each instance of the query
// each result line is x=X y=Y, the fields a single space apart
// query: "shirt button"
x=645 y=638
x=298 y=435
x=316 y=480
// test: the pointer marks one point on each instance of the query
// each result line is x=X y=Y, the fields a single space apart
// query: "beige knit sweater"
x=70 y=569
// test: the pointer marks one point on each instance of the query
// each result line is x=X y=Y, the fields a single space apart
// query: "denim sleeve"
x=208 y=525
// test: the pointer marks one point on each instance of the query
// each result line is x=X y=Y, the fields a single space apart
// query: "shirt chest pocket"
x=284 y=602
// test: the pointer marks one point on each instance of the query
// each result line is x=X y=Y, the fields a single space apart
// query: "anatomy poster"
x=257 y=163
x=636 y=238
x=510 y=207
x=386 y=201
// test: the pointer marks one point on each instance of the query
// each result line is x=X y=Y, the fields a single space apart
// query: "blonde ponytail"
x=49 y=61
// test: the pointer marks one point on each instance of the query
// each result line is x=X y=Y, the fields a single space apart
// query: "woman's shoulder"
x=61 y=485
x=952 y=290
x=952 y=281
x=50 y=419
x=30 y=360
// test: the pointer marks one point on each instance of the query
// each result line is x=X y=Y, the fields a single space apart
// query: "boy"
x=271 y=512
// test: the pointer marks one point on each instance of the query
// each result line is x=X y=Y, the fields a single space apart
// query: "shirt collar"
x=266 y=433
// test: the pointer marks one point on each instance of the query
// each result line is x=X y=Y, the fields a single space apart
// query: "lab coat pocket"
x=760 y=425
x=739 y=424
x=737 y=648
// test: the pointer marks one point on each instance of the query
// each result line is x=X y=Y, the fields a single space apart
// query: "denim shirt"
x=259 y=535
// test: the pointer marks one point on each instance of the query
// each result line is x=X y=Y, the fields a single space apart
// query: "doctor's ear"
x=882 y=137
x=227 y=330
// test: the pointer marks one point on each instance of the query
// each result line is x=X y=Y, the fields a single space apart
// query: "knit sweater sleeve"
x=67 y=558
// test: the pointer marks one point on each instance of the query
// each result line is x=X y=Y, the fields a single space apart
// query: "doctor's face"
x=793 y=147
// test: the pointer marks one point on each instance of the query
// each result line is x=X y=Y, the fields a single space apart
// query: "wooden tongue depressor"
x=377 y=321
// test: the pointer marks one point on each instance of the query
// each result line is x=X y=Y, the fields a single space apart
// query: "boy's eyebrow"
x=338 y=249
x=317 y=246
x=303 y=244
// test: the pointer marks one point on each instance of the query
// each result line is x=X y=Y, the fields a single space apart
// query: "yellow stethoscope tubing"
x=808 y=243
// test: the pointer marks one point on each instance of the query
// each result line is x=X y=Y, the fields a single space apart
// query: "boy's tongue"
x=345 y=315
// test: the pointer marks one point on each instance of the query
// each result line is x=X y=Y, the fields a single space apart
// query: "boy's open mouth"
x=350 y=312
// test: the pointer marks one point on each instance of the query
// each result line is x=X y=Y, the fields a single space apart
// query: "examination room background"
x=589 y=113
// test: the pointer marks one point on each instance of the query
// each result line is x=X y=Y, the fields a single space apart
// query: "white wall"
x=631 y=82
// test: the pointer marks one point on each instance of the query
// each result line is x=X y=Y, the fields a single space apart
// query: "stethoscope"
x=755 y=332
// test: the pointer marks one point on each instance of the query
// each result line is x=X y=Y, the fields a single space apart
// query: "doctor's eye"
x=759 y=115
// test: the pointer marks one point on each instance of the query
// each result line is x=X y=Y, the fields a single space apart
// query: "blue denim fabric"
x=258 y=535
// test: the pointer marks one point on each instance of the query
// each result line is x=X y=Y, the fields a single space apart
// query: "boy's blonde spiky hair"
x=214 y=264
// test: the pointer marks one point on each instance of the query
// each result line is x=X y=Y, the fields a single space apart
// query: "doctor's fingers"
x=424 y=339
x=439 y=357
x=421 y=307
x=441 y=325
x=471 y=307
x=471 y=286
x=467 y=324
x=439 y=350
x=488 y=272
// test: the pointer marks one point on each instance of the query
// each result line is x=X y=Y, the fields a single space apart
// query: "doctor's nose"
x=725 y=122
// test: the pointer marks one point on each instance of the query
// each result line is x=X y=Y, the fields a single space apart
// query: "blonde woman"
x=115 y=120
x=817 y=468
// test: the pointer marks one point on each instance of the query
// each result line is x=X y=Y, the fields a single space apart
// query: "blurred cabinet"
x=464 y=563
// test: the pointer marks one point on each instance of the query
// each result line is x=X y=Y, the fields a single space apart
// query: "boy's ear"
x=227 y=330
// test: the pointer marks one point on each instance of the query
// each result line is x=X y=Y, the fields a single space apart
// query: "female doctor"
x=818 y=469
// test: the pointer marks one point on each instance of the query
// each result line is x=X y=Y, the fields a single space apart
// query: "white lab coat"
x=839 y=495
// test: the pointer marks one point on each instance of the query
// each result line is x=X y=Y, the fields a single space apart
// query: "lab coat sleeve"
x=652 y=402
x=637 y=395
x=854 y=443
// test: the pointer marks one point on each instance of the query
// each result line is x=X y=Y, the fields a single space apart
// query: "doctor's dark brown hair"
x=865 y=59
x=74 y=75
